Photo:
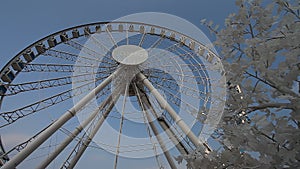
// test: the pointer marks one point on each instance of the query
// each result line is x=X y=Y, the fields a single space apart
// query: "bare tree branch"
x=272 y=105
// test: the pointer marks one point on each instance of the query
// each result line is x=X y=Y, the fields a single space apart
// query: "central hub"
x=130 y=55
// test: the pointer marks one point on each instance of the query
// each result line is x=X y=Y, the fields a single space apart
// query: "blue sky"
x=24 y=22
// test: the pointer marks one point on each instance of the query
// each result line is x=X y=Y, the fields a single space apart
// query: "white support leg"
x=90 y=137
x=70 y=137
x=17 y=159
x=165 y=105
x=155 y=131
x=173 y=137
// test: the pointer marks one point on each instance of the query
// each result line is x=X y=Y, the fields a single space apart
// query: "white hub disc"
x=130 y=55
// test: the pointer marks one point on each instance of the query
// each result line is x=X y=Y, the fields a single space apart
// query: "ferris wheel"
x=108 y=94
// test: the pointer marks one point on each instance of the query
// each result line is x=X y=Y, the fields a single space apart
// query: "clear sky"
x=24 y=22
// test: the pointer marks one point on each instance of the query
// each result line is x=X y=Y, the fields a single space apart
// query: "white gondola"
x=18 y=65
x=75 y=33
x=87 y=31
x=52 y=42
x=121 y=28
x=64 y=37
x=3 y=89
x=8 y=76
x=29 y=55
x=98 y=28
x=40 y=48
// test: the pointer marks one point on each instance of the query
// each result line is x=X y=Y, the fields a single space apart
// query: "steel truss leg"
x=155 y=131
x=17 y=159
x=165 y=126
x=73 y=135
x=90 y=137
x=165 y=105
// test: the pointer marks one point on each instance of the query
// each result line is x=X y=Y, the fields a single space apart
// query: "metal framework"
x=78 y=63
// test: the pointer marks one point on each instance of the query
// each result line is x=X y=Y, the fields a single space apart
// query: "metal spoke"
x=97 y=42
x=89 y=51
x=142 y=39
x=57 y=68
x=127 y=38
x=157 y=42
x=177 y=100
x=70 y=56
x=49 y=83
x=12 y=116
x=108 y=30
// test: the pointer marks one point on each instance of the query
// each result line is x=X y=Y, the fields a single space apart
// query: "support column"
x=17 y=159
x=156 y=133
x=173 y=137
x=90 y=137
x=165 y=105
x=77 y=130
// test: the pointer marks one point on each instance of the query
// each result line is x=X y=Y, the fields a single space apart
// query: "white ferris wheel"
x=128 y=90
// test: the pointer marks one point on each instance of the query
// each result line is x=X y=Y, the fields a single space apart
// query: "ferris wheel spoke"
x=182 y=69
x=66 y=68
x=12 y=116
x=49 y=83
x=160 y=74
x=171 y=84
x=71 y=57
x=107 y=57
x=98 y=43
x=108 y=31
x=169 y=81
x=157 y=57
x=199 y=67
x=186 y=55
x=186 y=90
x=171 y=48
x=157 y=42
x=176 y=100
x=57 y=68
x=189 y=108
x=167 y=67
x=180 y=77
x=89 y=51
x=142 y=39
x=127 y=36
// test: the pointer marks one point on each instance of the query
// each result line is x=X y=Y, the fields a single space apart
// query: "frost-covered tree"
x=260 y=46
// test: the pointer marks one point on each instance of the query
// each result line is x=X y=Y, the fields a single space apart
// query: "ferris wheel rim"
x=32 y=45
